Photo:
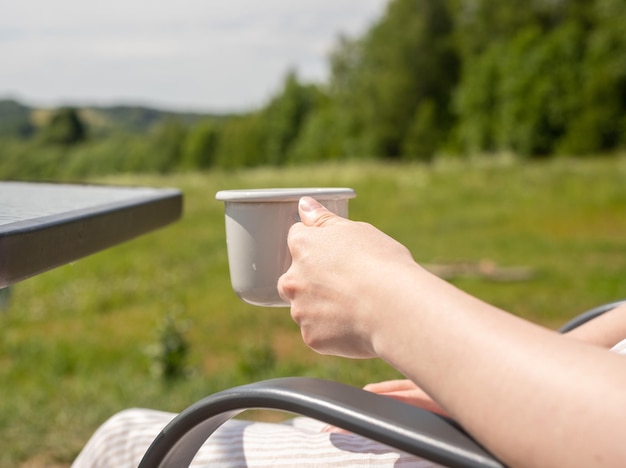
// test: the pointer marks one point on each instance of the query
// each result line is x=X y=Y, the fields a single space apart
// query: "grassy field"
x=82 y=341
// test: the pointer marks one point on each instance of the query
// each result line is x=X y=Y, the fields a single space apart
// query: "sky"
x=187 y=55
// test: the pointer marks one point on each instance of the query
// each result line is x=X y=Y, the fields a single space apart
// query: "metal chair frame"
x=399 y=425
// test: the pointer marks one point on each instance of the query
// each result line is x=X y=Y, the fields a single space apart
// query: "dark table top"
x=45 y=225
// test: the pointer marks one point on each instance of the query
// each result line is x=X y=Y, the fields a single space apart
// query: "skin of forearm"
x=529 y=395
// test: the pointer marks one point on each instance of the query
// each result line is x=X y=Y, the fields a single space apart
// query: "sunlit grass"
x=75 y=345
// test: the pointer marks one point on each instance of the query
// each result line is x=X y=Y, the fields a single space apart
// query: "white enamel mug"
x=257 y=225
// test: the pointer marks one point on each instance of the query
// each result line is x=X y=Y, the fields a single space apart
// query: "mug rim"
x=284 y=194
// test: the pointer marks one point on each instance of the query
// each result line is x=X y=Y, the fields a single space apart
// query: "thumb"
x=313 y=213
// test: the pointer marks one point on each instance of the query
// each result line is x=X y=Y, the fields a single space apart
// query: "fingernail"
x=308 y=204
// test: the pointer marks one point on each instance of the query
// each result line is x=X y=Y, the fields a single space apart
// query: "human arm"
x=605 y=331
x=530 y=395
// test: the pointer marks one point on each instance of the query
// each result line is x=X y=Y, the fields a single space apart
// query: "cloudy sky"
x=205 y=55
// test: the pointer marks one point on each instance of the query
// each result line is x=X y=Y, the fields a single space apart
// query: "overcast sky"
x=205 y=55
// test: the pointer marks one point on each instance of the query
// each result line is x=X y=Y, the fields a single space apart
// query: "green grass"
x=76 y=342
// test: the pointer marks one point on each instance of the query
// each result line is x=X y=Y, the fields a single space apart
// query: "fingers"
x=390 y=386
x=407 y=392
x=313 y=213
x=334 y=430
x=286 y=286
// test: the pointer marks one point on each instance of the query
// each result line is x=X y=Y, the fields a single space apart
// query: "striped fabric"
x=123 y=439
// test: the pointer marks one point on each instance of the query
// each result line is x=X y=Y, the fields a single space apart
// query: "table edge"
x=30 y=247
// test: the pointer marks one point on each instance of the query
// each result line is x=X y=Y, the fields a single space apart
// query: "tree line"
x=533 y=77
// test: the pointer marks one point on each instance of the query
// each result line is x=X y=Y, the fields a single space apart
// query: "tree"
x=322 y=136
x=168 y=140
x=406 y=59
x=423 y=137
x=241 y=142
x=538 y=88
x=200 y=146
x=544 y=78
x=599 y=123
x=476 y=99
x=284 y=117
x=65 y=127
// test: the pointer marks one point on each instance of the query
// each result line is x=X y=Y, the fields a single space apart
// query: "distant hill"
x=136 y=118
x=15 y=119
x=20 y=120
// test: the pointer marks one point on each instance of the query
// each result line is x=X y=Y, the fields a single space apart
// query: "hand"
x=407 y=392
x=342 y=277
x=402 y=390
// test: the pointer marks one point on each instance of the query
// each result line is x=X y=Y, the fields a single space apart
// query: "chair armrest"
x=589 y=315
x=379 y=418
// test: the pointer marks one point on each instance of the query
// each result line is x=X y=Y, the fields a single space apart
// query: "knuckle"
x=325 y=218
x=295 y=236
x=297 y=317
x=286 y=286
x=308 y=338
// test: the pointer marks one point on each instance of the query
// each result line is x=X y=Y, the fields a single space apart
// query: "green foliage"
x=171 y=352
x=241 y=142
x=476 y=101
x=65 y=128
x=284 y=117
x=406 y=59
x=200 y=147
x=429 y=77
x=73 y=342
x=257 y=361
x=5 y=298
x=538 y=89
x=169 y=139
x=321 y=138
x=423 y=137
x=15 y=119
x=137 y=119
x=600 y=122
x=544 y=78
